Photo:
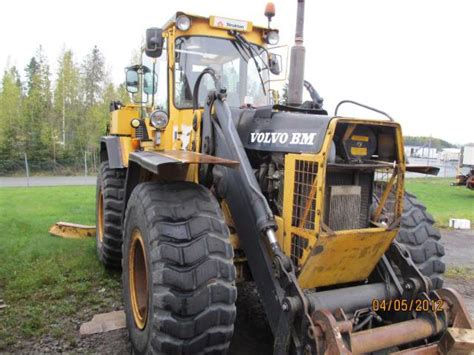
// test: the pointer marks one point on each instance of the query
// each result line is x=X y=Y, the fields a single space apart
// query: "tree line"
x=423 y=141
x=55 y=116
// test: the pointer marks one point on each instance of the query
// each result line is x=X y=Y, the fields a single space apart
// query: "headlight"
x=159 y=119
x=183 y=23
x=135 y=123
x=272 y=37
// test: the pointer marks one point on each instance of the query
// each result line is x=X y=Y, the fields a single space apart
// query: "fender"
x=110 y=150
x=422 y=169
x=167 y=165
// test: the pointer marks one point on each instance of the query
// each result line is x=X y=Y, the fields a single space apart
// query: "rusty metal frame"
x=385 y=195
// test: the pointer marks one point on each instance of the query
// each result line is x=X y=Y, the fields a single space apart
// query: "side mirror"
x=274 y=63
x=154 y=42
x=150 y=83
x=131 y=80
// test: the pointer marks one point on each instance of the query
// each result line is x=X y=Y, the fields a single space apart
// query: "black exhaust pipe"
x=296 y=78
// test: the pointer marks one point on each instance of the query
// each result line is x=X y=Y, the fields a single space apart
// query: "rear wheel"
x=178 y=271
x=109 y=207
x=422 y=239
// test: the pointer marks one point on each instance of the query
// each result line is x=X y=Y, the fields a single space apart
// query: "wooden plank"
x=104 y=322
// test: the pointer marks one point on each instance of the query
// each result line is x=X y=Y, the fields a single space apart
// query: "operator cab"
x=236 y=50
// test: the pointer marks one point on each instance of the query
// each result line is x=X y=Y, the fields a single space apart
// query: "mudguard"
x=151 y=161
x=110 y=150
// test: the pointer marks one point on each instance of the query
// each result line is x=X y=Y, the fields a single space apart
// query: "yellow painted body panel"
x=280 y=233
x=344 y=257
x=125 y=149
x=120 y=120
x=200 y=27
x=230 y=24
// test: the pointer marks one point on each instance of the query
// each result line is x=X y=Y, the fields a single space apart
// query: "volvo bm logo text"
x=282 y=138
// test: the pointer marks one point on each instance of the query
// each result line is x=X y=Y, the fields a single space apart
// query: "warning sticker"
x=230 y=24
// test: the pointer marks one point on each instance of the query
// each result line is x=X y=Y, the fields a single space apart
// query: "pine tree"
x=67 y=105
x=38 y=107
x=93 y=77
x=10 y=114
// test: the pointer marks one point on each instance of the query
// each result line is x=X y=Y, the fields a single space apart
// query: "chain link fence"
x=26 y=166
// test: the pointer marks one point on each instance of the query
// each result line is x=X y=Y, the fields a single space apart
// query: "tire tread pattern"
x=112 y=182
x=193 y=273
x=422 y=239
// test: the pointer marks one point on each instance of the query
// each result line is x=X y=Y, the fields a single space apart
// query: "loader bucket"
x=72 y=230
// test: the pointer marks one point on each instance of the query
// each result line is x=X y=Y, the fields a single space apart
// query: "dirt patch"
x=252 y=334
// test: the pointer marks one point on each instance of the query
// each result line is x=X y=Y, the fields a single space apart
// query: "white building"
x=450 y=154
x=420 y=152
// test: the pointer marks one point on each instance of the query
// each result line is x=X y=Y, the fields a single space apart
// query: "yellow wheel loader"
x=206 y=181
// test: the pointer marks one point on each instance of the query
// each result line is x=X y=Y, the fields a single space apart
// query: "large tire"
x=185 y=304
x=418 y=234
x=109 y=207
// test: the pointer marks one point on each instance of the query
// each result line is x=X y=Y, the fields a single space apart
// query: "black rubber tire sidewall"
x=191 y=274
x=140 y=338
x=422 y=239
x=111 y=182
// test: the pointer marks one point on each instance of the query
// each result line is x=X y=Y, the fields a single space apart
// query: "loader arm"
x=271 y=269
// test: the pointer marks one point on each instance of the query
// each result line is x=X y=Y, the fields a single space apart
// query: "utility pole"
x=85 y=164
x=27 y=171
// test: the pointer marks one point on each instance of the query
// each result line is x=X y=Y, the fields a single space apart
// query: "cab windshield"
x=238 y=71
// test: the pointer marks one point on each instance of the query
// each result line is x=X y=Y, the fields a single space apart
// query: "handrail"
x=361 y=105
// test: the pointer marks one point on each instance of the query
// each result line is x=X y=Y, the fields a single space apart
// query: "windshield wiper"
x=250 y=51
x=238 y=47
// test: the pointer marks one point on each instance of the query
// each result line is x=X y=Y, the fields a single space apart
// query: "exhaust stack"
x=296 y=79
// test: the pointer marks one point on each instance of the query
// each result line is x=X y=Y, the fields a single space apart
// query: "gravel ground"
x=458 y=245
x=252 y=333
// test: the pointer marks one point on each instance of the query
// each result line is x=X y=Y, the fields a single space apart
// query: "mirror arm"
x=153 y=85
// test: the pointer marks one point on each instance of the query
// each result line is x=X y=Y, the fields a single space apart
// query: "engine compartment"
x=360 y=161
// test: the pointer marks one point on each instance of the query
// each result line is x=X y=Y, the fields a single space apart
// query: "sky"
x=413 y=59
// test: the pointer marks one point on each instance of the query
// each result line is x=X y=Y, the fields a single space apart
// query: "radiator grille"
x=344 y=207
x=354 y=178
x=304 y=195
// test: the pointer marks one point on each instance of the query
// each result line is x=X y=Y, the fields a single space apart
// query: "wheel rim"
x=138 y=280
x=100 y=217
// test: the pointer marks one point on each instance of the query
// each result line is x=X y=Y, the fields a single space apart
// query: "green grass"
x=460 y=272
x=48 y=281
x=442 y=200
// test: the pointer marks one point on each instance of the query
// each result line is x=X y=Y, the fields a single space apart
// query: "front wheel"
x=422 y=239
x=109 y=207
x=178 y=271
